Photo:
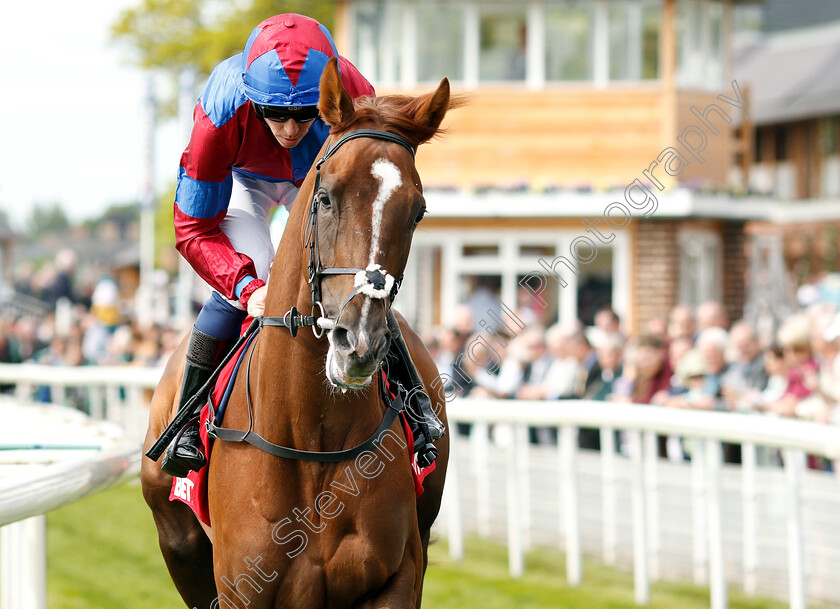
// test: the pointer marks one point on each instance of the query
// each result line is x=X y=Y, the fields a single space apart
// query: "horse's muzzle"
x=355 y=355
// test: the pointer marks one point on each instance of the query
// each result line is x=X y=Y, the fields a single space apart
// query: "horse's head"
x=367 y=203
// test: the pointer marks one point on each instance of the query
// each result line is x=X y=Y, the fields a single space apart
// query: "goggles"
x=278 y=114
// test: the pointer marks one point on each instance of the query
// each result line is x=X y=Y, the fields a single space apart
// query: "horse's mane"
x=394 y=113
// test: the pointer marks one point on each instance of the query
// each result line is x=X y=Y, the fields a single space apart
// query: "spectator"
x=658 y=327
x=60 y=284
x=480 y=368
x=646 y=377
x=711 y=314
x=691 y=370
x=607 y=320
x=26 y=342
x=646 y=374
x=104 y=319
x=777 y=378
x=681 y=323
x=747 y=377
x=608 y=355
x=795 y=339
x=676 y=349
x=525 y=366
x=600 y=383
x=826 y=396
x=713 y=343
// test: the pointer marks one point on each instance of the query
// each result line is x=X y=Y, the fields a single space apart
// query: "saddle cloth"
x=192 y=490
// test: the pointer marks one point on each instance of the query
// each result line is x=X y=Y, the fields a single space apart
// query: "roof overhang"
x=676 y=203
x=790 y=75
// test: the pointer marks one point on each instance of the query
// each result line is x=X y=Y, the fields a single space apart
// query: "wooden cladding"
x=569 y=137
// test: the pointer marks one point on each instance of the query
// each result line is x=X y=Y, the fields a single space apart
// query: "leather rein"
x=371 y=276
x=372 y=280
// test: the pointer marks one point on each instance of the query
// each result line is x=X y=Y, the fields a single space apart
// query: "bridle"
x=372 y=281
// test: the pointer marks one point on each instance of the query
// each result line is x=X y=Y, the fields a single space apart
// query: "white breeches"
x=245 y=225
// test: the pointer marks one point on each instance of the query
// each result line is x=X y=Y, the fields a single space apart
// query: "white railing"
x=703 y=432
x=637 y=478
x=49 y=456
x=119 y=394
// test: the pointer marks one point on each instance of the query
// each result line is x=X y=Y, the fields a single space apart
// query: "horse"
x=302 y=533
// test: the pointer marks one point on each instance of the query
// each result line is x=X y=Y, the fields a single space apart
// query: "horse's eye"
x=420 y=216
x=324 y=200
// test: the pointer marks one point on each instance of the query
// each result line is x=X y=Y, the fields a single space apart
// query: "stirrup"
x=426 y=427
x=426 y=455
x=185 y=453
x=424 y=418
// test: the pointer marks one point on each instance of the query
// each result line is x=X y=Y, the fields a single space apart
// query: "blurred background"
x=640 y=203
x=570 y=102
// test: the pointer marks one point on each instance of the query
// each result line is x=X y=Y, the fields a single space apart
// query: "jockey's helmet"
x=282 y=63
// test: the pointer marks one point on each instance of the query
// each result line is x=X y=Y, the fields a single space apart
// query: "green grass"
x=103 y=553
x=482 y=581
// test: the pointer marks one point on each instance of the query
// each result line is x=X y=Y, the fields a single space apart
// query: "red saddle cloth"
x=192 y=490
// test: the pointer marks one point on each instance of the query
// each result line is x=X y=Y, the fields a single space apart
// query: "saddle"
x=192 y=489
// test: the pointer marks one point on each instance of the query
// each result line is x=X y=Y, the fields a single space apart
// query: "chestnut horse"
x=304 y=534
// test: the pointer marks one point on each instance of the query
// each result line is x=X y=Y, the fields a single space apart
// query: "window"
x=760 y=140
x=700 y=266
x=781 y=141
x=595 y=285
x=480 y=250
x=828 y=130
x=569 y=41
x=651 y=20
x=700 y=25
x=378 y=41
x=497 y=41
x=625 y=41
x=502 y=39
x=634 y=41
x=440 y=42
x=749 y=18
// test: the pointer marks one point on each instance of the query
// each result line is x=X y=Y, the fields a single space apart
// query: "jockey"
x=255 y=135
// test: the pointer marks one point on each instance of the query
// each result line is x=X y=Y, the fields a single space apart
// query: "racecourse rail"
x=50 y=455
x=725 y=524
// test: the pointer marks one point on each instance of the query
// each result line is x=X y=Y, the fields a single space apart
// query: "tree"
x=170 y=35
x=165 y=228
x=46 y=218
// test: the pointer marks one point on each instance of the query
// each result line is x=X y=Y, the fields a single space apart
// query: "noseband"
x=372 y=281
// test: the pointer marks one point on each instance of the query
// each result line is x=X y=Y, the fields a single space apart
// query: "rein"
x=373 y=281
x=395 y=406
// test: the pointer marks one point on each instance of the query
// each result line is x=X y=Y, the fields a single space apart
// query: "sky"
x=72 y=106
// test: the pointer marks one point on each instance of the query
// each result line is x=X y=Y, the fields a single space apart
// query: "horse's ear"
x=434 y=106
x=334 y=102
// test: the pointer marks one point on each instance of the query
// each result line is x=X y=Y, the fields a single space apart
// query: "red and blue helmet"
x=283 y=60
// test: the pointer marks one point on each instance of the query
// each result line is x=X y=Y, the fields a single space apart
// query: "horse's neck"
x=288 y=372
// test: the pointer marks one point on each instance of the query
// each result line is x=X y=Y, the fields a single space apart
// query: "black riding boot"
x=424 y=423
x=186 y=453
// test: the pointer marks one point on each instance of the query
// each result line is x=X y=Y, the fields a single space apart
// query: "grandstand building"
x=603 y=158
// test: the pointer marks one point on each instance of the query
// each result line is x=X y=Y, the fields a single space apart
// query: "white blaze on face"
x=389 y=180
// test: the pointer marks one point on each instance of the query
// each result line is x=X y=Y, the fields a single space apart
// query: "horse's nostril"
x=342 y=338
x=381 y=345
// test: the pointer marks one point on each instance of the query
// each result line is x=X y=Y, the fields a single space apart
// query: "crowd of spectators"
x=51 y=321
x=694 y=359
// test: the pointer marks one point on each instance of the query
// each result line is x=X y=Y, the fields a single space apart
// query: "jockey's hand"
x=256 y=303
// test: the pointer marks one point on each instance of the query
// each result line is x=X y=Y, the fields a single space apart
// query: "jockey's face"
x=289 y=133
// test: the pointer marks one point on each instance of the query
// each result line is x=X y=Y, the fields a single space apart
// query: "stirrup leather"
x=424 y=423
